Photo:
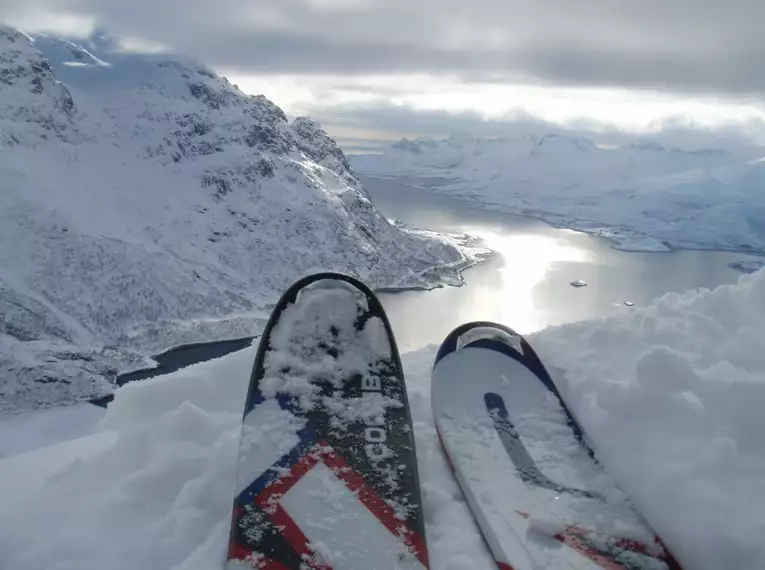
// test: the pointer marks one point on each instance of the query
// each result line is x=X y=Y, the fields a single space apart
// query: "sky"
x=376 y=70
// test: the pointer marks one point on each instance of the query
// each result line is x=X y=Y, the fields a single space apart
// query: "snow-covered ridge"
x=146 y=202
x=642 y=196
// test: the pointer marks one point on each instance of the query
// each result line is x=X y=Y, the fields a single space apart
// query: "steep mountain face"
x=34 y=105
x=642 y=196
x=146 y=202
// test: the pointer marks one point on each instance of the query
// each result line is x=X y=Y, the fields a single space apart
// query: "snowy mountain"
x=643 y=196
x=146 y=202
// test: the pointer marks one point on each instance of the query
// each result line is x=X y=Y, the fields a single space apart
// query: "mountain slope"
x=643 y=196
x=145 y=202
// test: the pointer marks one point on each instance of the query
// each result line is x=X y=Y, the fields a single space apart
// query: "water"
x=527 y=284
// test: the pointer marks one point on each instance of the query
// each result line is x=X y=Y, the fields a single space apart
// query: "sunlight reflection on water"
x=527 y=284
x=528 y=259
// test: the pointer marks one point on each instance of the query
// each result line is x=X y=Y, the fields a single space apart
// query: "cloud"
x=383 y=122
x=688 y=46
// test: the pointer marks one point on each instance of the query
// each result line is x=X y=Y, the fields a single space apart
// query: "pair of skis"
x=327 y=473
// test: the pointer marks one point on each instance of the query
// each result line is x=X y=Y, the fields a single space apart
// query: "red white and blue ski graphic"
x=538 y=495
x=327 y=476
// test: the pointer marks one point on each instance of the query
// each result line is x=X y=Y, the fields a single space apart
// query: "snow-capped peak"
x=63 y=52
x=34 y=104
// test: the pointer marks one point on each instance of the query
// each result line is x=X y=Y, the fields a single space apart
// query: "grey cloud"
x=703 y=46
x=674 y=132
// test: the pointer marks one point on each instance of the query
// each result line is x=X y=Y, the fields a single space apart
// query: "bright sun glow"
x=528 y=260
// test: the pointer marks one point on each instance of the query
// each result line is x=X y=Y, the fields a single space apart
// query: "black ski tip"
x=329 y=279
x=293 y=291
x=503 y=339
x=486 y=334
x=499 y=338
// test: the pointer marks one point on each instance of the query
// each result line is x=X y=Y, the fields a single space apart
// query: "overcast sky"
x=633 y=64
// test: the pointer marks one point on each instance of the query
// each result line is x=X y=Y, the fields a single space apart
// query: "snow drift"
x=146 y=202
x=642 y=196
x=670 y=394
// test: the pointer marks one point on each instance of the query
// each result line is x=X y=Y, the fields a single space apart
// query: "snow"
x=670 y=394
x=43 y=427
x=300 y=345
x=642 y=197
x=146 y=202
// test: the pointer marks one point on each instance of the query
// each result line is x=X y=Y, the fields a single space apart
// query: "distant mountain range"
x=146 y=202
x=642 y=196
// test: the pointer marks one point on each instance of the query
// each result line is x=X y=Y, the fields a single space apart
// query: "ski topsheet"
x=327 y=476
x=538 y=495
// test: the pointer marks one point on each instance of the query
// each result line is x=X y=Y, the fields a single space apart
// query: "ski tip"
x=484 y=334
x=499 y=338
x=326 y=280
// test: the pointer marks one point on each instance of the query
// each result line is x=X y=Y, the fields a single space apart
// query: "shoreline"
x=177 y=357
x=544 y=217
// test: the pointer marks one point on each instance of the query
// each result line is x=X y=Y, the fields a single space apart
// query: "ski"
x=536 y=491
x=327 y=476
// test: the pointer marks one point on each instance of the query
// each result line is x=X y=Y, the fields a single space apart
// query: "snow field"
x=47 y=426
x=671 y=396
x=159 y=497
